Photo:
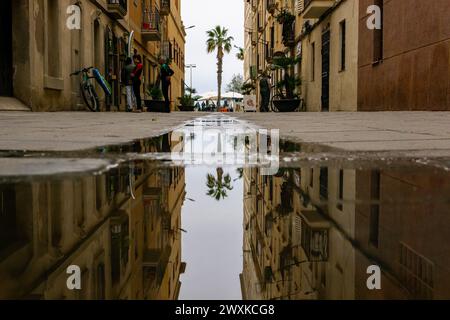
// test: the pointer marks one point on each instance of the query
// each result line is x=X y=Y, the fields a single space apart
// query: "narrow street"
x=197 y=151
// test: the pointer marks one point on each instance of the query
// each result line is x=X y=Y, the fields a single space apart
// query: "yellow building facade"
x=53 y=38
x=160 y=33
x=324 y=38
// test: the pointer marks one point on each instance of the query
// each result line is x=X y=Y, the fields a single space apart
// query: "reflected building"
x=312 y=233
x=122 y=228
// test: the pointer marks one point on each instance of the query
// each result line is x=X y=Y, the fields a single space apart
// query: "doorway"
x=6 y=55
x=326 y=70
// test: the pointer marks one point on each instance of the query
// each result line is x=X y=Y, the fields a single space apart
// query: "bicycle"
x=88 y=92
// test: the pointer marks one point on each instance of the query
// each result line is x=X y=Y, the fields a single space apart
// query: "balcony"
x=314 y=9
x=164 y=9
x=118 y=8
x=151 y=26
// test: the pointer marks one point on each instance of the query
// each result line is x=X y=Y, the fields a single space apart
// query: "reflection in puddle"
x=312 y=233
x=154 y=229
x=212 y=247
x=137 y=232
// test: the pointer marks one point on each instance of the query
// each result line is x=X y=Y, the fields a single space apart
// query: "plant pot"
x=186 y=108
x=287 y=105
x=156 y=106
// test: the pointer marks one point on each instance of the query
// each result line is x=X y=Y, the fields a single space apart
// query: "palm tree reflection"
x=218 y=187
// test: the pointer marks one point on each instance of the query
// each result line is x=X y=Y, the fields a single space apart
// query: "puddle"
x=220 y=210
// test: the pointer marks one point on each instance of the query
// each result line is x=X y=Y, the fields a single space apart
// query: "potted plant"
x=287 y=19
x=247 y=88
x=286 y=100
x=156 y=104
x=187 y=101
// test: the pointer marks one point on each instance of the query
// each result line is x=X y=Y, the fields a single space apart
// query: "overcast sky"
x=205 y=15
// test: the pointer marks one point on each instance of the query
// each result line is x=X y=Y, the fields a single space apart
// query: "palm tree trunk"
x=219 y=74
x=220 y=174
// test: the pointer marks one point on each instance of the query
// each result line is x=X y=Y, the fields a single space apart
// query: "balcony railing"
x=314 y=9
x=165 y=7
x=118 y=8
x=151 y=25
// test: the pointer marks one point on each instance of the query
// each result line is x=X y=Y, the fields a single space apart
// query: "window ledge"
x=53 y=83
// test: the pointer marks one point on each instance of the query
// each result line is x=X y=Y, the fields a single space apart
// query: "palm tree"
x=241 y=54
x=219 y=40
x=218 y=187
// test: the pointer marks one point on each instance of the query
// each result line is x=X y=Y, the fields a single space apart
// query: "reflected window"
x=324 y=183
x=340 y=204
x=375 y=190
x=8 y=222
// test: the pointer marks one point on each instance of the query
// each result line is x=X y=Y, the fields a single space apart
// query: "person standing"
x=166 y=76
x=264 y=87
x=127 y=81
x=137 y=82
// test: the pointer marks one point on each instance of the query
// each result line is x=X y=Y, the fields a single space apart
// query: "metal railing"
x=151 y=20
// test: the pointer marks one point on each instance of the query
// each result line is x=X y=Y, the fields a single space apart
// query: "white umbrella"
x=208 y=96
x=232 y=95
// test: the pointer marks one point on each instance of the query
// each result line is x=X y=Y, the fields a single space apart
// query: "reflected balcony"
x=154 y=263
x=314 y=9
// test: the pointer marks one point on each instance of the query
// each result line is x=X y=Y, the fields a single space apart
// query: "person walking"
x=127 y=81
x=136 y=78
x=166 y=75
x=264 y=87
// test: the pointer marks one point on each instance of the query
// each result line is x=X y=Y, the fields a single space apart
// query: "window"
x=313 y=61
x=378 y=37
x=52 y=46
x=342 y=36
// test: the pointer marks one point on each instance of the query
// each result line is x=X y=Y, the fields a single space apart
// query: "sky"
x=205 y=15
x=212 y=246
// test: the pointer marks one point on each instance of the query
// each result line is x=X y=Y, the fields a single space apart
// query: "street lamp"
x=191 y=66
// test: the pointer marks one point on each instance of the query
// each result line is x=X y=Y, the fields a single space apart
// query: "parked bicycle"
x=87 y=88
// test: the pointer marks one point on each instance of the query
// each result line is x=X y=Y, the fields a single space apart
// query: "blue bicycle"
x=88 y=92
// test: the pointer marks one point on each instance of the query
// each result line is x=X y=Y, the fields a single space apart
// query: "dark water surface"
x=194 y=215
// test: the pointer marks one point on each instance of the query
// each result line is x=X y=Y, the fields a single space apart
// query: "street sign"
x=250 y=103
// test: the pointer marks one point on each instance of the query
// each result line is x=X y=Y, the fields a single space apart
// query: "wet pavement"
x=219 y=209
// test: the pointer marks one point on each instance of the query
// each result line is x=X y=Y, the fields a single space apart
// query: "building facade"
x=400 y=65
x=46 y=40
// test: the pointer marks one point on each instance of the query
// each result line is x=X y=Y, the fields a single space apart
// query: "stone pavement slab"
x=76 y=131
x=363 y=131
x=403 y=132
